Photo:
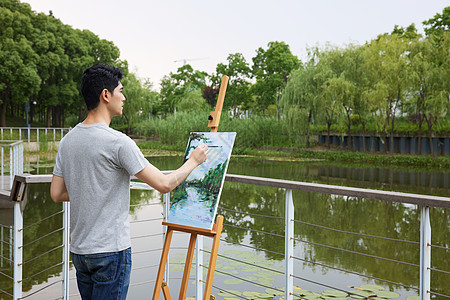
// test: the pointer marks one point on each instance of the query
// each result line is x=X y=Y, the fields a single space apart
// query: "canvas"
x=196 y=199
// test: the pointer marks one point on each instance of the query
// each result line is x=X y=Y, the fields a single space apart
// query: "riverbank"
x=318 y=153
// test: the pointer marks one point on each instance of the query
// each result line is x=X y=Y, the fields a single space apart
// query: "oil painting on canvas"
x=196 y=199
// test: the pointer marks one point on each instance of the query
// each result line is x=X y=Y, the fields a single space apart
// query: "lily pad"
x=361 y=294
x=388 y=294
x=372 y=287
x=334 y=293
x=251 y=294
x=263 y=274
x=412 y=298
x=265 y=296
x=274 y=292
x=229 y=293
x=233 y=281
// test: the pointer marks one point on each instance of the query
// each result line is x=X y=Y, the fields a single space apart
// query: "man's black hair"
x=96 y=79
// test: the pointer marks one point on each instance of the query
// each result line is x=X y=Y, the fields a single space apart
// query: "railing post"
x=28 y=128
x=166 y=203
x=199 y=268
x=289 y=246
x=37 y=135
x=425 y=253
x=11 y=166
x=66 y=256
x=54 y=135
x=18 y=258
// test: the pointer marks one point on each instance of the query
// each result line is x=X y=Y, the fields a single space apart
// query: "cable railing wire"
x=6 y=275
x=440 y=247
x=237 y=277
x=5 y=292
x=359 y=253
x=44 y=236
x=254 y=230
x=229 y=292
x=141 y=283
x=252 y=214
x=355 y=233
x=41 y=289
x=145 y=251
x=5 y=258
x=42 y=220
x=145 y=204
x=328 y=286
x=5 y=242
x=254 y=248
x=144 y=236
x=40 y=272
x=437 y=294
x=5 y=226
x=144 y=267
x=46 y=252
x=356 y=273
x=440 y=271
x=146 y=220
x=244 y=262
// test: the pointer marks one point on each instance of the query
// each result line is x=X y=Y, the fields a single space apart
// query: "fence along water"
x=425 y=245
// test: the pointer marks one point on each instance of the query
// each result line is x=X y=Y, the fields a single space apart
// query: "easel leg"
x=187 y=266
x=162 y=264
x=213 y=259
x=165 y=289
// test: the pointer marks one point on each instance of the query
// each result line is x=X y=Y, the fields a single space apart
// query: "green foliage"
x=42 y=60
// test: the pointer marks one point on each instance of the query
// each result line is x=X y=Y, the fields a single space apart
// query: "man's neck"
x=95 y=116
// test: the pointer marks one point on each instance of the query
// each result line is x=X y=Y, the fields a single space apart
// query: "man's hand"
x=165 y=183
x=200 y=154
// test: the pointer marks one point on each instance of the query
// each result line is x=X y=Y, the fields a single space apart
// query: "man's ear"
x=104 y=95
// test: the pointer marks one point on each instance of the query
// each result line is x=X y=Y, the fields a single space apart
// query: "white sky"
x=152 y=35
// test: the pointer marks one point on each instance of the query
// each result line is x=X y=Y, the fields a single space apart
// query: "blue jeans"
x=103 y=275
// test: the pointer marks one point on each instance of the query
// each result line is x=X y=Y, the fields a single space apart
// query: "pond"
x=245 y=206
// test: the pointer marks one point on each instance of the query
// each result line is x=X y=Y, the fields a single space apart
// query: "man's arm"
x=58 y=190
x=164 y=183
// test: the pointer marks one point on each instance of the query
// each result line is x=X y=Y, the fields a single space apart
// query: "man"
x=92 y=171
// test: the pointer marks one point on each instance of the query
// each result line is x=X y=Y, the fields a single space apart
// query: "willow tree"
x=430 y=83
x=386 y=60
x=299 y=100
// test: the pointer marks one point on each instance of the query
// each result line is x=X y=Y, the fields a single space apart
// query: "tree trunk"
x=49 y=116
x=349 y=133
x=392 y=137
x=364 y=135
x=419 y=140
x=5 y=97
x=328 y=134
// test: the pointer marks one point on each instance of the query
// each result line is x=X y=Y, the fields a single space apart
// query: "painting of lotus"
x=196 y=199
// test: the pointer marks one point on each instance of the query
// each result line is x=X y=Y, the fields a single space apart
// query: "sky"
x=157 y=37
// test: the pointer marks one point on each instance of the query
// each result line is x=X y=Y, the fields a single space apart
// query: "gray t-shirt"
x=96 y=163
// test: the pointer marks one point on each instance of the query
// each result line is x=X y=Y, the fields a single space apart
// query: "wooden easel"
x=213 y=122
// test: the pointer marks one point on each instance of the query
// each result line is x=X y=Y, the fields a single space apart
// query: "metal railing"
x=11 y=156
x=289 y=237
x=32 y=133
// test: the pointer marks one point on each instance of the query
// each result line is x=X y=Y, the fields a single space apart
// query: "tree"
x=299 y=100
x=271 y=68
x=18 y=60
x=174 y=86
x=238 y=90
x=140 y=99
x=386 y=64
x=430 y=85
x=439 y=24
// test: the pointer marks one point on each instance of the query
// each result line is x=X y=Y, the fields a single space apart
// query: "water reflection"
x=244 y=206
